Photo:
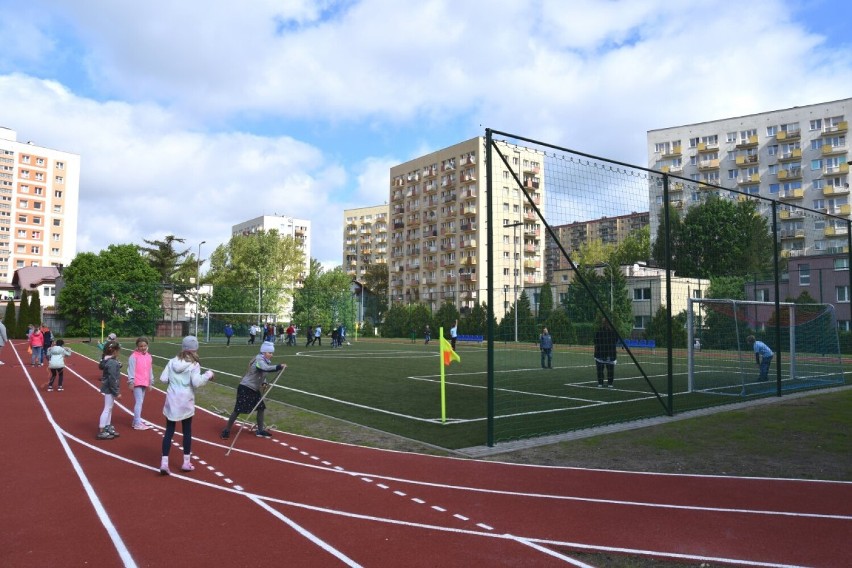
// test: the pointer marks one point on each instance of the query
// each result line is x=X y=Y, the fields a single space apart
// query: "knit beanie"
x=267 y=347
x=189 y=343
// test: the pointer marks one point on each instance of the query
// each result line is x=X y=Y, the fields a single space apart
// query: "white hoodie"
x=183 y=378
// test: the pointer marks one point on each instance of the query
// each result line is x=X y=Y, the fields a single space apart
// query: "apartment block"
x=365 y=239
x=299 y=229
x=606 y=230
x=39 y=204
x=798 y=156
x=438 y=233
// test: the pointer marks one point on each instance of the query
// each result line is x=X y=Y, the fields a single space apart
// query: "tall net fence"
x=623 y=250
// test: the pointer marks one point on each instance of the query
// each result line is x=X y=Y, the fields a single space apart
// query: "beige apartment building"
x=606 y=230
x=299 y=229
x=438 y=245
x=365 y=239
x=39 y=204
x=798 y=156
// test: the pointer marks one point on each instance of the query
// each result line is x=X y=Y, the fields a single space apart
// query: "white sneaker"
x=141 y=426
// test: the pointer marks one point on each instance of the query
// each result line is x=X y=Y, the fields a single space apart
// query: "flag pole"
x=443 y=385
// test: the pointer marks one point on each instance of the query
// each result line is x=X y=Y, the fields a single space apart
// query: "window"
x=816 y=124
x=641 y=294
x=761 y=295
x=60 y=165
x=48 y=291
x=57 y=222
x=23 y=204
x=842 y=293
x=22 y=218
x=844 y=325
x=774 y=187
x=841 y=263
x=772 y=150
x=641 y=322
x=771 y=130
x=731 y=137
x=804 y=275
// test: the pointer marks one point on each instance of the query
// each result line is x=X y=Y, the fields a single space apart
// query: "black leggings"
x=54 y=373
x=186 y=427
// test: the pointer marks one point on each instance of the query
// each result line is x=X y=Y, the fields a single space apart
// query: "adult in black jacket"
x=605 y=352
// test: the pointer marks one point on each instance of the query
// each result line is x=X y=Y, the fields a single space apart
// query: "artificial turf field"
x=394 y=386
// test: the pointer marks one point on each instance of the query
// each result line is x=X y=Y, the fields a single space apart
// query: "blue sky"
x=193 y=116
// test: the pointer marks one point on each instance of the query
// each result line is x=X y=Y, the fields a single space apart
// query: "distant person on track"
x=545 y=343
x=605 y=353
x=3 y=339
x=762 y=356
x=183 y=375
x=110 y=385
x=427 y=335
x=291 y=335
x=140 y=377
x=36 y=343
x=318 y=335
x=56 y=363
x=250 y=390
x=48 y=342
x=252 y=334
x=309 y=336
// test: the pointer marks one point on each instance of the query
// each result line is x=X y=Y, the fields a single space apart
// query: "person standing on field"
x=56 y=363
x=250 y=391
x=229 y=333
x=545 y=343
x=605 y=353
x=454 y=334
x=762 y=356
x=140 y=377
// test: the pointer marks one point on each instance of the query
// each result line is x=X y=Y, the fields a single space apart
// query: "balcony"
x=788 y=234
x=748 y=160
x=470 y=243
x=753 y=178
x=832 y=190
x=468 y=194
x=796 y=154
x=676 y=187
x=791 y=194
x=791 y=214
x=705 y=165
x=468 y=277
x=705 y=147
x=842 y=126
x=835 y=231
x=788 y=253
x=831 y=150
x=842 y=211
x=792 y=173
x=468 y=210
x=838 y=170
x=672 y=152
x=789 y=135
x=469 y=261
x=677 y=204
x=750 y=142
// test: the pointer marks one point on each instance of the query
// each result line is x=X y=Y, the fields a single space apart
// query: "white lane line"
x=101 y=512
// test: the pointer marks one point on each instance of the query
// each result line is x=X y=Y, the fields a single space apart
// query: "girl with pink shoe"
x=183 y=375
x=140 y=377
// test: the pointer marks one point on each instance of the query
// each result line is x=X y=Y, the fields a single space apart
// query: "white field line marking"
x=103 y=516
x=305 y=533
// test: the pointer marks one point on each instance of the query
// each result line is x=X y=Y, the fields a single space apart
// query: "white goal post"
x=720 y=361
x=241 y=321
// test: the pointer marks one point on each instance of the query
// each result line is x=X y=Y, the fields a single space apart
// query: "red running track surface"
x=70 y=500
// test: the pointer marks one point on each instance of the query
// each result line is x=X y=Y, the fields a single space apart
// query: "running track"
x=69 y=500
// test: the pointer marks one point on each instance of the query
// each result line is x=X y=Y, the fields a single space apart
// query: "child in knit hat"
x=183 y=375
x=249 y=392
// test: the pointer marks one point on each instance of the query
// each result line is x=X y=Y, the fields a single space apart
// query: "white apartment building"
x=299 y=229
x=365 y=238
x=438 y=245
x=798 y=156
x=39 y=204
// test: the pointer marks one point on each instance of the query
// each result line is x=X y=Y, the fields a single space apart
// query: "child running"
x=140 y=377
x=111 y=368
x=56 y=363
x=183 y=374
x=250 y=388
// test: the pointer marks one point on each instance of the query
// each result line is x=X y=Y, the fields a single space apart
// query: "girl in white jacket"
x=183 y=375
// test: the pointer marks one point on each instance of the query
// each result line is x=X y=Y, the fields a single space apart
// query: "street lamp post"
x=198 y=286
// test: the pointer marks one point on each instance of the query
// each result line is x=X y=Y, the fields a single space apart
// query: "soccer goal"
x=215 y=322
x=720 y=361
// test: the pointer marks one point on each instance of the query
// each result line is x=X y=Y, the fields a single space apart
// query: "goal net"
x=721 y=361
x=214 y=324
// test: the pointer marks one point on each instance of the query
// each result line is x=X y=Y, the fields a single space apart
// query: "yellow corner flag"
x=447 y=357
x=447 y=353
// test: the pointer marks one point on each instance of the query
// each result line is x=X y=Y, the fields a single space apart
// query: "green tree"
x=395 y=323
x=256 y=272
x=658 y=331
x=117 y=286
x=376 y=282
x=10 y=320
x=23 y=315
x=476 y=321
x=325 y=299
x=719 y=237
x=545 y=302
x=560 y=328
x=445 y=317
x=35 y=308
x=163 y=257
x=636 y=247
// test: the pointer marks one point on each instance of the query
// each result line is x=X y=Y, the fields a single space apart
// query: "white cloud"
x=178 y=109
